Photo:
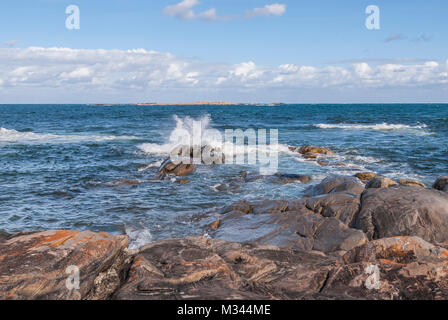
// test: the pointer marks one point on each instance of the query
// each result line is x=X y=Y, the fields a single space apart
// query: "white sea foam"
x=138 y=236
x=185 y=130
x=381 y=126
x=11 y=136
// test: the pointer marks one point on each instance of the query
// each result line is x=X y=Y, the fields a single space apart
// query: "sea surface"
x=93 y=167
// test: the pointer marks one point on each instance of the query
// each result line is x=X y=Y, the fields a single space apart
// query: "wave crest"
x=11 y=136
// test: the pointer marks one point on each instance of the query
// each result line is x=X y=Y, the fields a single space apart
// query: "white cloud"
x=275 y=9
x=184 y=10
x=140 y=72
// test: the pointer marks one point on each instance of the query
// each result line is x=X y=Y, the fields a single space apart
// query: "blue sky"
x=288 y=53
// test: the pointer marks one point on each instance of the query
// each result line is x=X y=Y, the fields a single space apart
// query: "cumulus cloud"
x=275 y=9
x=121 y=72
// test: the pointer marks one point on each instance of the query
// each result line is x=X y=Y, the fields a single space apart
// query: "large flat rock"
x=33 y=265
x=404 y=211
x=319 y=223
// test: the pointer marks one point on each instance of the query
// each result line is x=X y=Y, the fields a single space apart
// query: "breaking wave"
x=381 y=127
x=11 y=136
x=187 y=127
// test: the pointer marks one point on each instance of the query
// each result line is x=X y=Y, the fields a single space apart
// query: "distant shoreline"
x=198 y=103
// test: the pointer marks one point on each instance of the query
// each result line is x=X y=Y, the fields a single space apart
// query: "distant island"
x=197 y=103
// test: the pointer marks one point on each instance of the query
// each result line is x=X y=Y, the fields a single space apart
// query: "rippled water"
x=66 y=166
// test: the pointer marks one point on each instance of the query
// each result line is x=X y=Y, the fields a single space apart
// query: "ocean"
x=89 y=167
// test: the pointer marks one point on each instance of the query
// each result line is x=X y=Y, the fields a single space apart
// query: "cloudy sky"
x=293 y=51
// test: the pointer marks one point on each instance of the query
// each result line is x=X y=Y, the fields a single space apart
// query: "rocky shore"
x=361 y=237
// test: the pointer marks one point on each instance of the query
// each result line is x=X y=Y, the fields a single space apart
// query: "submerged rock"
x=315 y=150
x=404 y=211
x=236 y=183
x=36 y=265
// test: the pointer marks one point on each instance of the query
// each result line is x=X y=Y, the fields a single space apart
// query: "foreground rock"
x=400 y=268
x=33 y=265
x=199 y=268
x=404 y=210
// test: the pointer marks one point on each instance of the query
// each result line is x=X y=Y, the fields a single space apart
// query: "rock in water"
x=365 y=176
x=317 y=150
x=411 y=182
x=441 y=184
x=380 y=182
x=33 y=265
x=336 y=184
x=404 y=211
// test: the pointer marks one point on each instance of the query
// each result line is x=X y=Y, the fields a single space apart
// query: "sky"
x=259 y=51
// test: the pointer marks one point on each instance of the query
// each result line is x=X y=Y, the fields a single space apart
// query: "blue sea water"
x=65 y=166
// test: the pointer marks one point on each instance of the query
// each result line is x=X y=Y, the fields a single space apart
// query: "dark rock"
x=441 y=184
x=404 y=211
x=343 y=206
x=285 y=178
x=336 y=184
x=33 y=265
x=381 y=182
x=170 y=168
